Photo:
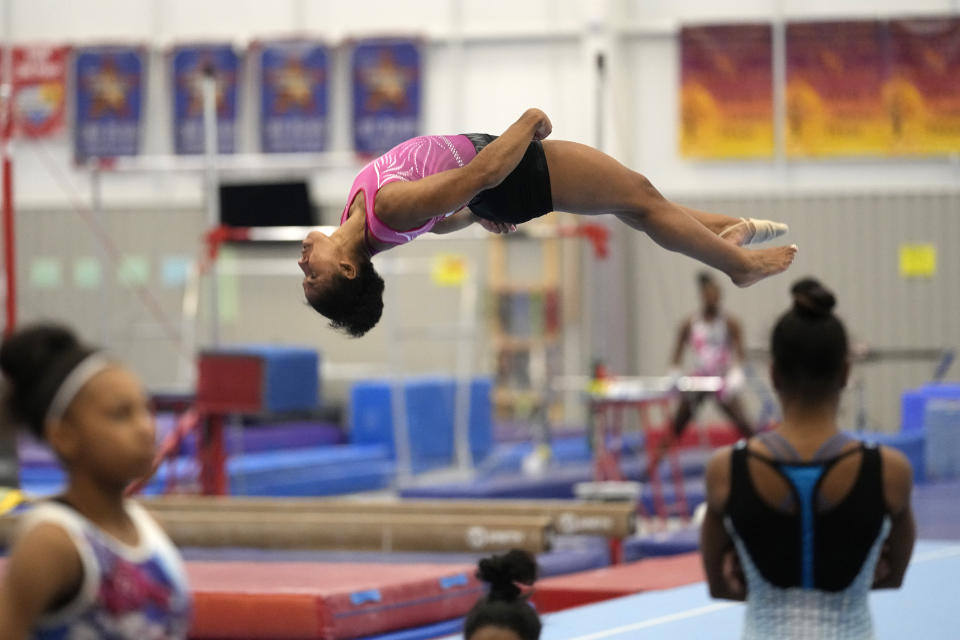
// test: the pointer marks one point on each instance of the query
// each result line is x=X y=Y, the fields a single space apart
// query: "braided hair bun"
x=504 y=572
x=812 y=299
x=505 y=606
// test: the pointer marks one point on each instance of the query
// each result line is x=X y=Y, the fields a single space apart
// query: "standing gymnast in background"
x=504 y=612
x=715 y=340
x=445 y=183
x=87 y=563
x=803 y=520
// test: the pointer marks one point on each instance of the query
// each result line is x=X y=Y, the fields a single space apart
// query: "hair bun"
x=28 y=353
x=35 y=360
x=504 y=572
x=812 y=299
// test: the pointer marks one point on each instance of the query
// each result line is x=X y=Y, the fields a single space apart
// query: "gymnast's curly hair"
x=353 y=305
x=35 y=360
x=505 y=606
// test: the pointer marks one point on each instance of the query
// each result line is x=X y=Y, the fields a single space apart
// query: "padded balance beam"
x=569 y=517
x=357 y=531
x=338 y=530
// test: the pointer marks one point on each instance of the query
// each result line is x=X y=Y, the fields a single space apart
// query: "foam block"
x=257 y=379
x=942 y=428
x=430 y=403
x=913 y=402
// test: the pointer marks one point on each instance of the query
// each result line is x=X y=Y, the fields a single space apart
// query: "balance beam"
x=569 y=517
x=346 y=531
x=357 y=531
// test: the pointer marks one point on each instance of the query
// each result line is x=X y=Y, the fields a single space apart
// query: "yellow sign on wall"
x=918 y=260
x=449 y=270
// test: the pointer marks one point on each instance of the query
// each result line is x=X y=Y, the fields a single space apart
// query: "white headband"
x=71 y=385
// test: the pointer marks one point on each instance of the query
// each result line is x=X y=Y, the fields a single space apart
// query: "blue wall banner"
x=108 y=104
x=293 y=97
x=386 y=93
x=189 y=63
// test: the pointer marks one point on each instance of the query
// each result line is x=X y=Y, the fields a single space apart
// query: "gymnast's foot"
x=753 y=231
x=763 y=263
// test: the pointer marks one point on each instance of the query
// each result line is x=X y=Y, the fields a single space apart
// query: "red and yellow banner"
x=834 y=97
x=923 y=90
x=39 y=90
x=726 y=106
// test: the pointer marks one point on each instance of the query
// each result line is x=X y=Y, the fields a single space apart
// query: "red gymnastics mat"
x=279 y=601
x=303 y=601
x=653 y=574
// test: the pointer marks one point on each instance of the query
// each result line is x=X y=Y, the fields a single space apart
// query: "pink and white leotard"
x=710 y=343
x=410 y=160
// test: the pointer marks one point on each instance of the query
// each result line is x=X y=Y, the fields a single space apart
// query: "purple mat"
x=287 y=435
x=557 y=482
x=261 y=438
x=667 y=543
x=937 y=510
x=509 y=457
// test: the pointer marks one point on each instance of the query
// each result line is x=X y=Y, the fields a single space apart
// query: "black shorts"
x=523 y=195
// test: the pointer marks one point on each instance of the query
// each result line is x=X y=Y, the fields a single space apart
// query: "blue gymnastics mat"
x=309 y=471
x=508 y=457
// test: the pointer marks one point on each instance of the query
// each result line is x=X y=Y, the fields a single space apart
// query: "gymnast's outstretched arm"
x=460 y=220
x=405 y=205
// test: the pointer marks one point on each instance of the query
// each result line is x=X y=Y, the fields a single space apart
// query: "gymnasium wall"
x=486 y=62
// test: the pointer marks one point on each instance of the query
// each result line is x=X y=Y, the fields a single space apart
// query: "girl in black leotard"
x=803 y=521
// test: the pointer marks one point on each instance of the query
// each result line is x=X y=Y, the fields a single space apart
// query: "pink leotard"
x=410 y=160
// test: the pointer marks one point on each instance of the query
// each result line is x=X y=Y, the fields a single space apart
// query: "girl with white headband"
x=87 y=563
